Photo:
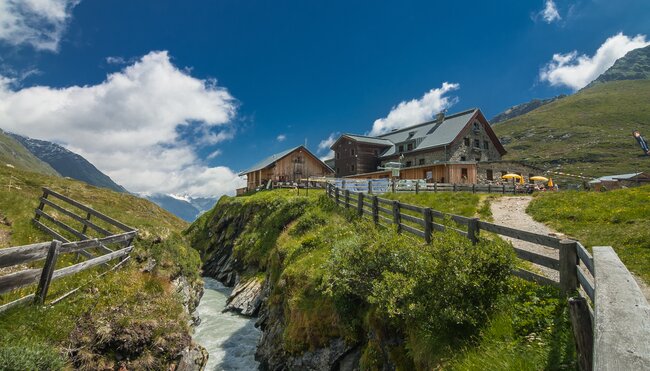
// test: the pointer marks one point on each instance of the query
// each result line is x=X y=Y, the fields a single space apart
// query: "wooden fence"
x=576 y=267
x=379 y=186
x=96 y=249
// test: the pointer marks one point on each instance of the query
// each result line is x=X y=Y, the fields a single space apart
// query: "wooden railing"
x=96 y=249
x=575 y=265
x=379 y=186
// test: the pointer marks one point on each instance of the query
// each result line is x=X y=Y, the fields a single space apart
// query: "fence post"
x=41 y=205
x=473 y=230
x=473 y=189
x=417 y=187
x=397 y=217
x=568 y=264
x=370 y=187
x=375 y=210
x=336 y=195
x=582 y=332
x=427 y=215
x=360 y=204
x=489 y=188
x=343 y=184
x=392 y=182
x=85 y=227
x=503 y=188
x=435 y=187
x=454 y=187
x=46 y=274
x=347 y=198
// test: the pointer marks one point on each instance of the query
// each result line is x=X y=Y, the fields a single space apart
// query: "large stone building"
x=287 y=166
x=449 y=149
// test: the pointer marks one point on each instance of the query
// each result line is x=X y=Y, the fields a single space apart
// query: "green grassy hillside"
x=14 y=153
x=127 y=317
x=589 y=132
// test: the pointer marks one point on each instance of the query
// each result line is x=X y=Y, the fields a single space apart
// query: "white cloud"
x=550 y=13
x=115 y=60
x=325 y=144
x=130 y=125
x=417 y=110
x=576 y=71
x=214 y=154
x=39 y=23
x=281 y=138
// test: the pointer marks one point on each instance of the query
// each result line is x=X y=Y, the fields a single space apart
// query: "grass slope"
x=618 y=218
x=14 y=153
x=589 y=132
x=129 y=314
x=335 y=275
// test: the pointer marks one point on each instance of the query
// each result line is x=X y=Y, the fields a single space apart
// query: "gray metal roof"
x=370 y=140
x=613 y=178
x=432 y=134
x=269 y=160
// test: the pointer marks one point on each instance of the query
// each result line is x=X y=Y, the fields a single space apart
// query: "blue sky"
x=298 y=70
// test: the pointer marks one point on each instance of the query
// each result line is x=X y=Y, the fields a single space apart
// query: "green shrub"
x=311 y=219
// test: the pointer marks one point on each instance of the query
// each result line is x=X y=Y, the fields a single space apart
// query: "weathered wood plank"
x=18 y=279
x=473 y=230
x=539 y=239
x=417 y=209
x=412 y=219
x=384 y=201
x=24 y=300
x=80 y=245
x=534 y=277
x=542 y=260
x=23 y=254
x=94 y=212
x=59 y=273
x=412 y=230
x=582 y=332
x=585 y=258
x=622 y=316
x=586 y=284
x=367 y=203
x=438 y=227
x=568 y=263
x=385 y=210
x=85 y=221
x=463 y=220
x=46 y=273
x=60 y=224
x=386 y=220
x=428 y=222
x=59 y=237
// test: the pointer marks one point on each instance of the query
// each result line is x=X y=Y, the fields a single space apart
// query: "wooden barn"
x=287 y=166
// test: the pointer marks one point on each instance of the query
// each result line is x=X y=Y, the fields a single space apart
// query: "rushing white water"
x=229 y=338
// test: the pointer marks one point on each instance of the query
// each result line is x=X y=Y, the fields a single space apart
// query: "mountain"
x=635 y=65
x=522 y=109
x=588 y=132
x=67 y=163
x=15 y=154
x=184 y=207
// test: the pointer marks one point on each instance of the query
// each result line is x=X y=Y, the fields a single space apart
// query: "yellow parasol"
x=511 y=176
x=550 y=182
x=537 y=177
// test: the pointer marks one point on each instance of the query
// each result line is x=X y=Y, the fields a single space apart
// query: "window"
x=351 y=151
x=411 y=134
x=463 y=173
x=338 y=155
x=477 y=143
x=463 y=158
x=478 y=159
x=476 y=126
x=401 y=149
x=467 y=141
x=421 y=161
x=489 y=175
x=351 y=167
x=486 y=144
x=408 y=163
x=409 y=146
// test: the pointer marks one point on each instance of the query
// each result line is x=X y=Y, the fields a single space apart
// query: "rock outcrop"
x=246 y=297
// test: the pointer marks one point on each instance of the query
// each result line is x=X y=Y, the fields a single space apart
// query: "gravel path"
x=511 y=212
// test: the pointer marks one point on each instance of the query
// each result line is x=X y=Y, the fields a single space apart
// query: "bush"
x=448 y=288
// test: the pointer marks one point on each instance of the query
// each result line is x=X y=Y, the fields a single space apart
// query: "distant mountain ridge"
x=13 y=153
x=523 y=108
x=635 y=65
x=184 y=207
x=68 y=163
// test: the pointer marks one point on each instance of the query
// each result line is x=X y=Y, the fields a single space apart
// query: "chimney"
x=440 y=117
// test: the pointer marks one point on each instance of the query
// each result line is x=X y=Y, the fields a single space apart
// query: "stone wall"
x=499 y=168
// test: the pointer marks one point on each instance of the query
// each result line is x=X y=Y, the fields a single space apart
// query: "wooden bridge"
x=610 y=316
x=92 y=240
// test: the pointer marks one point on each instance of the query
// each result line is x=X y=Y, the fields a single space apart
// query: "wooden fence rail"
x=50 y=251
x=577 y=270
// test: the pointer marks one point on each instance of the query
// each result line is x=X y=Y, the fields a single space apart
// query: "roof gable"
x=278 y=156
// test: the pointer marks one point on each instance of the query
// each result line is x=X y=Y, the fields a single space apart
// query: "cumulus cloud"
x=39 y=23
x=325 y=144
x=417 y=110
x=130 y=125
x=550 y=13
x=281 y=138
x=576 y=71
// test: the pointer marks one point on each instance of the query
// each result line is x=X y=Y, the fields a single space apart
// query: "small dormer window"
x=476 y=126
x=401 y=148
x=409 y=146
x=411 y=134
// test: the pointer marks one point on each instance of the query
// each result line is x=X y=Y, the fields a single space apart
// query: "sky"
x=179 y=96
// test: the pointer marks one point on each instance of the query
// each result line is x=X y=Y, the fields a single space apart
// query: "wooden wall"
x=451 y=173
x=297 y=165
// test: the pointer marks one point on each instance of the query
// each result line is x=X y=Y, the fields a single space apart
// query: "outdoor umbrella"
x=550 y=182
x=511 y=176
x=541 y=178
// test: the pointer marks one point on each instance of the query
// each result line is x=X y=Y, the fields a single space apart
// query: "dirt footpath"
x=511 y=212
